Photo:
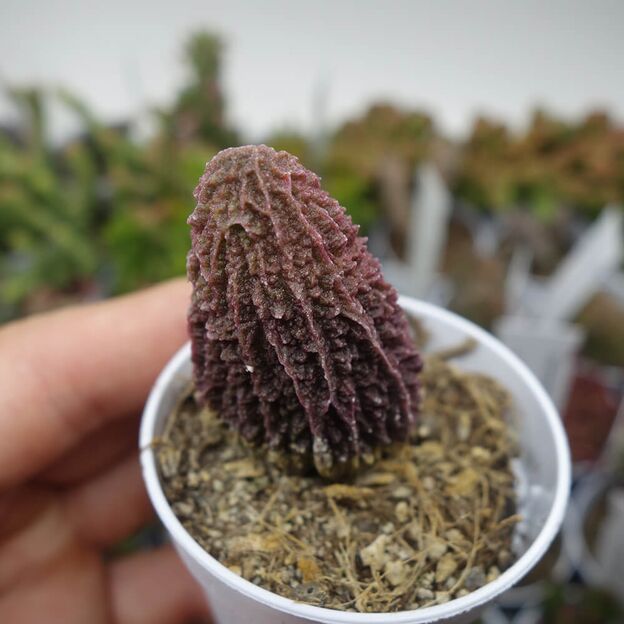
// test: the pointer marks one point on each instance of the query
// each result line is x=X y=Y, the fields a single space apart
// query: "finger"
x=63 y=374
x=96 y=452
x=111 y=506
x=154 y=588
x=33 y=531
x=70 y=590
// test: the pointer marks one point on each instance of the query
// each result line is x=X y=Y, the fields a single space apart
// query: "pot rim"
x=320 y=614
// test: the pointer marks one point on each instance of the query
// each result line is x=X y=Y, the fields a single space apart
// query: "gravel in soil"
x=423 y=523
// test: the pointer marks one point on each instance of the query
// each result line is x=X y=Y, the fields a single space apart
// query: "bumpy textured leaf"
x=297 y=339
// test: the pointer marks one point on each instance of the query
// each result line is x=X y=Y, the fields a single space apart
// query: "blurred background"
x=480 y=147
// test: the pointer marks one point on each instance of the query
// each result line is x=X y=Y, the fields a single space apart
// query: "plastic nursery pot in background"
x=555 y=567
x=543 y=483
x=594 y=532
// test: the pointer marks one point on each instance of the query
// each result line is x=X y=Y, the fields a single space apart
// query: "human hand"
x=72 y=384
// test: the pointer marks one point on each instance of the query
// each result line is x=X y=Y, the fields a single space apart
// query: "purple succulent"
x=298 y=342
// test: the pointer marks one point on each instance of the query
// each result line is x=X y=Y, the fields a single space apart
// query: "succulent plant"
x=297 y=340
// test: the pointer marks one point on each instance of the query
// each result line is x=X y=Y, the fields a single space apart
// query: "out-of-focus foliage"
x=379 y=149
x=106 y=213
x=603 y=321
x=552 y=163
x=45 y=225
x=362 y=145
x=295 y=143
x=200 y=109
x=576 y=604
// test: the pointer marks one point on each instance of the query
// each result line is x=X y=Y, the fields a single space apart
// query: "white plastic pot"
x=599 y=564
x=543 y=485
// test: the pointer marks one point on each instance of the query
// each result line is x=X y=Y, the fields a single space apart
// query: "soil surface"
x=423 y=523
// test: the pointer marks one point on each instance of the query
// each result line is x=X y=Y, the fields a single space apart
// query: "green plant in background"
x=45 y=226
x=377 y=150
x=602 y=320
x=105 y=213
x=293 y=142
x=354 y=193
x=384 y=130
x=199 y=112
x=575 y=604
x=477 y=181
x=553 y=163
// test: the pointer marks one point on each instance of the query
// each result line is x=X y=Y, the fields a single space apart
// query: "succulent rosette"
x=298 y=341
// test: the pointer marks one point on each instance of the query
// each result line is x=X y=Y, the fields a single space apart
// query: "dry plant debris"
x=426 y=522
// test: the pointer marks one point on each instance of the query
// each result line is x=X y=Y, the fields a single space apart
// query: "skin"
x=72 y=385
